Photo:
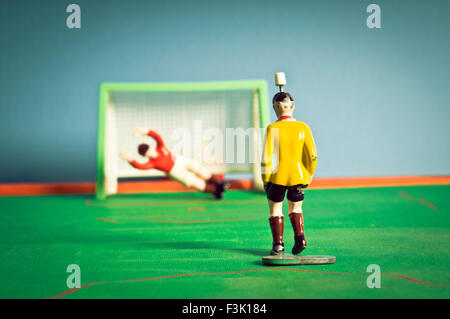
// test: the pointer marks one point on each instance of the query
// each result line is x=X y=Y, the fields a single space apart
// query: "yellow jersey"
x=289 y=155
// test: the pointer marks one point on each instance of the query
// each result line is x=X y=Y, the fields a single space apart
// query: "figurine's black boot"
x=221 y=187
x=299 y=233
x=216 y=188
x=299 y=246
x=277 y=228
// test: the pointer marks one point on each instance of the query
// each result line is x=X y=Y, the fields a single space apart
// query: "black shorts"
x=276 y=192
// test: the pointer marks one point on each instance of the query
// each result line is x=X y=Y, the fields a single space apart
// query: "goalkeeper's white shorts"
x=189 y=173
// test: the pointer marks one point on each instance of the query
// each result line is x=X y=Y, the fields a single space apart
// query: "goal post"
x=198 y=110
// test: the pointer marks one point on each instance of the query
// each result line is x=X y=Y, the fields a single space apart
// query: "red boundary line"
x=68 y=292
x=21 y=189
x=421 y=200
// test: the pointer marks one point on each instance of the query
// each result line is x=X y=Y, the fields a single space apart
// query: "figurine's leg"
x=196 y=168
x=213 y=182
x=186 y=178
x=182 y=175
x=276 y=221
x=275 y=195
x=295 y=200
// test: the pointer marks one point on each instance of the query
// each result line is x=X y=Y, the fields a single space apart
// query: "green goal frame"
x=259 y=87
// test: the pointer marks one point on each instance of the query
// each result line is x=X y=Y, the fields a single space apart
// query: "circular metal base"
x=288 y=259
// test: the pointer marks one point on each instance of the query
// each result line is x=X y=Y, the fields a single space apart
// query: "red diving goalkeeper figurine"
x=292 y=145
x=187 y=172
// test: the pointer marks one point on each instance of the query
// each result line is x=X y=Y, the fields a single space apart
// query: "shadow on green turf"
x=203 y=245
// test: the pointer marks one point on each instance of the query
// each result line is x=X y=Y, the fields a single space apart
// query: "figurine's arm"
x=311 y=147
x=266 y=161
x=125 y=155
x=139 y=131
x=148 y=165
x=157 y=137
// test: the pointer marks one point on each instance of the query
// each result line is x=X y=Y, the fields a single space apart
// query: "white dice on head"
x=280 y=80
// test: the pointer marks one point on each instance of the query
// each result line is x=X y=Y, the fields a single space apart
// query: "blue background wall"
x=377 y=100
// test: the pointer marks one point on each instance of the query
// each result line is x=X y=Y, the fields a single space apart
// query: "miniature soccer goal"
x=192 y=118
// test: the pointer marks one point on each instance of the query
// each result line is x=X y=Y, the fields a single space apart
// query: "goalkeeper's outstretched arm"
x=139 y=131
x=127 y=157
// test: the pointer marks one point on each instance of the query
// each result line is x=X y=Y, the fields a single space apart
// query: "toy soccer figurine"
x=292 y=143
x=187 y=172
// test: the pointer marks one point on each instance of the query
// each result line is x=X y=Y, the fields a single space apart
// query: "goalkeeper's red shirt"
x=165 y=160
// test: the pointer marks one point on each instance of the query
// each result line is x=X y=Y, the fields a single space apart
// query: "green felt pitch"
x=290 y=260
x=190 y=246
